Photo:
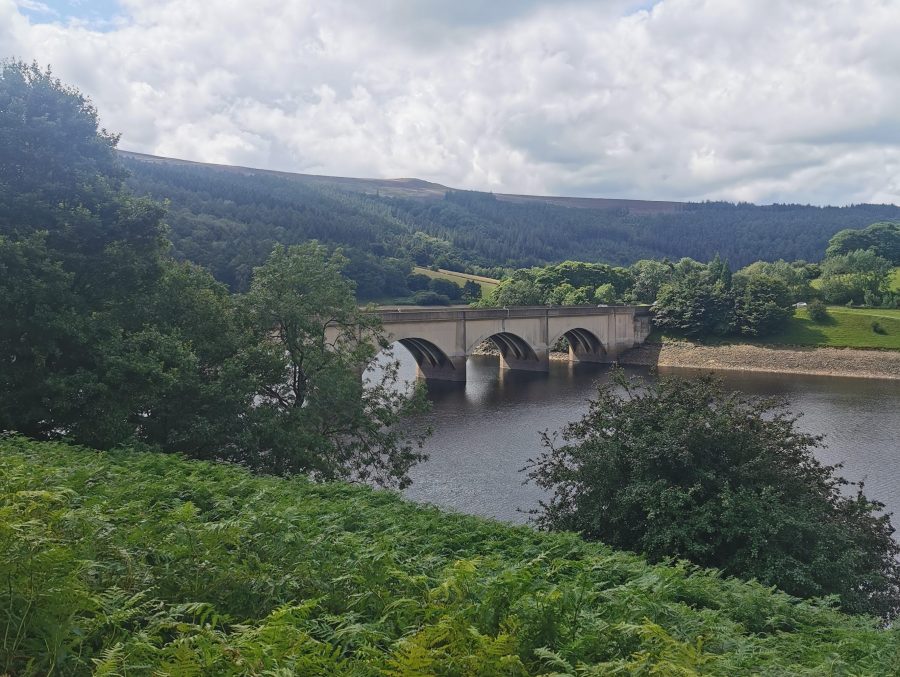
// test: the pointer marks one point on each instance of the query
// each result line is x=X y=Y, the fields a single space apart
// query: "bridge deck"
x=426 y=314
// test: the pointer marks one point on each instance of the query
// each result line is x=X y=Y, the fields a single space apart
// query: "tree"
x=471 y=291
x=859 y=277
x=695 y=305
x=313 y=413
x=446 y=288
x=81 y=259
x=605 y=293
x=649 y=276
x=60 y=176
x=429 y=298
x=683 y=468
x=882 y=238
x=517 y=290
x=417 y=282
x=104 y=339
x=794 y=277
x=762 y=305
x=818 y=311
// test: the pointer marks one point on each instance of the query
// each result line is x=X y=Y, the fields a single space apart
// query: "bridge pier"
x=450 y=369
x=591 y=358
x=542 y=363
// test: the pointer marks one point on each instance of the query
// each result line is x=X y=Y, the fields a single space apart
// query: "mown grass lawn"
x=486 y=283
x=846 y=327
x=133 y=563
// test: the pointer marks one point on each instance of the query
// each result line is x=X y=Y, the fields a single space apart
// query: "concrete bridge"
x=441 y=339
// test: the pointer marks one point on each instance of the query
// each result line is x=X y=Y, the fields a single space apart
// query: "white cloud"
x=685 y=99
x=34 y=6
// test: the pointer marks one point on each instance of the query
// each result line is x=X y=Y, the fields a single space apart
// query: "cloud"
x=37 y=7
x=677 y=99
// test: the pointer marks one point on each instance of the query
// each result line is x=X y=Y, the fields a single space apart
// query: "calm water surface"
x=486 y=429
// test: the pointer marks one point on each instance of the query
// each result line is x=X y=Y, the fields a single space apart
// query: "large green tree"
x=684 y=468
x=106 y=340
x=860 y=277
x=80 y=259
x=883 y=238
x=316 y=412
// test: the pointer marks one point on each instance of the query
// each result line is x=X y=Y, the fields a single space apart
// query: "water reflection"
x=486 y=429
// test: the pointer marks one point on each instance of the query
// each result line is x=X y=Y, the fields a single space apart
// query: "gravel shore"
x=850 y=362
x=744 y=357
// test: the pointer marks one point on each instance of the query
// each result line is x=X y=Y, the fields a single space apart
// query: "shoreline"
x=817 y=361
x=748 y=357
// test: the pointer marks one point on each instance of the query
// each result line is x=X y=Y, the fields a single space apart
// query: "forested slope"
x=228 y=218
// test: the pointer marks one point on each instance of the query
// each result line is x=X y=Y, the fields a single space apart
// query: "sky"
x=746 y=100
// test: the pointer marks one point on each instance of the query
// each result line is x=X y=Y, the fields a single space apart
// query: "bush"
x=818 y=311
x=430 y=298
x=417 y=282
x=684 y=468
x=877 y=328
x=446 y=288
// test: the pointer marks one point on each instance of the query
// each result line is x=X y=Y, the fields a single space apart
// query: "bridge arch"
x=515 y=351
x=584 y=345
x=426 y=353
x=433 y=361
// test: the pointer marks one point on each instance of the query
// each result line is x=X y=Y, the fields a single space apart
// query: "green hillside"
x=228 y=219
x=139 y=563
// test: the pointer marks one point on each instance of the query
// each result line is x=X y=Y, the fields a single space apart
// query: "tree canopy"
x=106 y=339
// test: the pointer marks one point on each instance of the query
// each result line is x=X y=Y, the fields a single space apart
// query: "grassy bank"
x=137 y=563
x=846 y=328
x=486 y=283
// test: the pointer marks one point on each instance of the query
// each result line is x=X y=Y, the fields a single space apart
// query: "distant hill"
x=229 y=217
x=419 y=189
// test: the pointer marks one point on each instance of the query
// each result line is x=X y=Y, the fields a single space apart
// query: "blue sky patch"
x=94 y=12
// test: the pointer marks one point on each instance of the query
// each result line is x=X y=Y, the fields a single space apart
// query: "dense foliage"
x=105 y=339
x=883 y=239
x=566 y=283
x=858 y=278
x=314 y=413
x=79 y=259
x=698 y=300
x=139 y=564
x=683 y=468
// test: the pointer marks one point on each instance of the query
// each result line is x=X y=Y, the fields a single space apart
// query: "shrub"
x=818 y=311
x=877 y=328
x=684 y=468
x=430 y=298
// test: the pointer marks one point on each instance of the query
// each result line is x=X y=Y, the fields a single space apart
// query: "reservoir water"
x=486 y=429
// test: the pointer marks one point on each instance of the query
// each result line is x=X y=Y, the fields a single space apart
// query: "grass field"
x=486 y=283
x=133 y=563
x=847 y=327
